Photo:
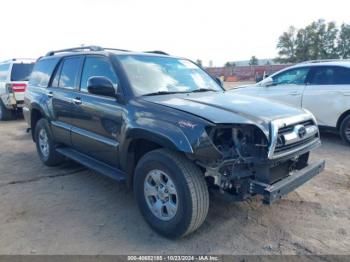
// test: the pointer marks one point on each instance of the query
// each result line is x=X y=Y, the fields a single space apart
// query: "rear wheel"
x=45 y=144
x=345 y=129
x=171 y=193
x=5 y=114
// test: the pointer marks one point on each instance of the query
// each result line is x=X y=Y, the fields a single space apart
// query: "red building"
x=244 y=73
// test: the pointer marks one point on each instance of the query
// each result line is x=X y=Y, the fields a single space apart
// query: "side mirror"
x=218 y=80
x=267 y=82
x=100 y=85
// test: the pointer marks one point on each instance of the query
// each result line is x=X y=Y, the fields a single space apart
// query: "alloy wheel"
x=161 y=195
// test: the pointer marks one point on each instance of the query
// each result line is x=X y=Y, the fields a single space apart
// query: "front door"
x=288 y=86
x=97 y=119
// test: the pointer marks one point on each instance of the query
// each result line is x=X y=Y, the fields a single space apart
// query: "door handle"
x=77 y=101
x=49 y=94
x=294 y=94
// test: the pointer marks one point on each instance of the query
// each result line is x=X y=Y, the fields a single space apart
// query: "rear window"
x=42 y=71
x=21 y=72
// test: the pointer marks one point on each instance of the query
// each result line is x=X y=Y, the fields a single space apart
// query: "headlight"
x=239 y=140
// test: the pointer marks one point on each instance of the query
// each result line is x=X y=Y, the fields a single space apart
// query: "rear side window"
x=330 y=75
x=21 y=72
x=68 y=73
x=3 y=71
x=42 y=71
x=96 y=66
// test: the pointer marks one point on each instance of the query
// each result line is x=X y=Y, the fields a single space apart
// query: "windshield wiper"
x=203 y=90
x=162 y=93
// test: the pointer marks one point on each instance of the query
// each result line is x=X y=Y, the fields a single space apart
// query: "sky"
x=217 y=30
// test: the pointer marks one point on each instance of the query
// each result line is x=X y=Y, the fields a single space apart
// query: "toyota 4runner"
x=165 y=127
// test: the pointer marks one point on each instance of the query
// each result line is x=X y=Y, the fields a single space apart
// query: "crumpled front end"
x=243 y=160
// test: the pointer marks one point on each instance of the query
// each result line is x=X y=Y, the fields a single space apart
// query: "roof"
x=331 y=62
x=19 y=60
x=99 y=50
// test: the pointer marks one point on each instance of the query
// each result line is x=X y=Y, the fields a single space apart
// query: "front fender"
x=160 y=132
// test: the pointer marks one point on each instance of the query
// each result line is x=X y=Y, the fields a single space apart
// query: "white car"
x=14 y=75
x=322 y=87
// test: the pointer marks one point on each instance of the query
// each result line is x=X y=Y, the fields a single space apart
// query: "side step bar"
x=92 y=163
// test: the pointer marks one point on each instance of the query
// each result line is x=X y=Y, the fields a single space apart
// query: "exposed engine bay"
x=244 y=152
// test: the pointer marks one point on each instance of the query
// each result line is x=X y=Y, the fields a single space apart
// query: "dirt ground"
x=72 y=210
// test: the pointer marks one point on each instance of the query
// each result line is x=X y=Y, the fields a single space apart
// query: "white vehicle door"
x=327 y=94
x=4 y=68
x=287 y=86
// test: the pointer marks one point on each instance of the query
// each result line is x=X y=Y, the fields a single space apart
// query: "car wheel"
x=45 y=144
x=345 y=130
x=5 y=114
x=171 y=193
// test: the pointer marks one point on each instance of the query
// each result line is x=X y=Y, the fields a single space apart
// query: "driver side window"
x=96 y=66
x=295 y=76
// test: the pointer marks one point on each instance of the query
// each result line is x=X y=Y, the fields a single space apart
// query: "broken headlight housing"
x=239 y=141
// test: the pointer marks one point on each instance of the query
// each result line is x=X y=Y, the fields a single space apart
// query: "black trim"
x=275 y=191
x=92 y=163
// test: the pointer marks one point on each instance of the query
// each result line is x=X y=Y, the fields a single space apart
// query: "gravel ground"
x=71 y=210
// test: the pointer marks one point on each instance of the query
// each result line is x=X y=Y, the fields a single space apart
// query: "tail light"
x=16 y=88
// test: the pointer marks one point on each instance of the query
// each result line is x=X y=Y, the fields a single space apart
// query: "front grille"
x=284 y=148
x=287 y=129
x=288 y=139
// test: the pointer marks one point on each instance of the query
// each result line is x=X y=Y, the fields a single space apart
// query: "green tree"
x=319 y=40
x=253 y=61
x=287 y=45
x=343 y=41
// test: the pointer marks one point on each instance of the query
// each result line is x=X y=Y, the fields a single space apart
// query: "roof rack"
x=323 y=60
x=157 y=52
x=76 y=49
x=97 y=48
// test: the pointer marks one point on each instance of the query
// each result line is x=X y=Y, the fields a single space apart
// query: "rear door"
x=19 y=78
x=288 y=86
x=327 y=94
x=62 y=93
x=97 y=119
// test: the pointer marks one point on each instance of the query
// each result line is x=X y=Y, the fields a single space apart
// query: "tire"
x=345 y=130
x=191 y=193
x=46 y=146
x=5 y=114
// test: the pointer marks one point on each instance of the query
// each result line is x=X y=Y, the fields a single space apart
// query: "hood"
x=227 y=107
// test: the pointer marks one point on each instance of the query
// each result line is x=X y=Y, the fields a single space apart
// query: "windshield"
x=156 y=74
x=21 y=72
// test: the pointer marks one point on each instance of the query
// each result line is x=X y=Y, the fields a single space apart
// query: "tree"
x=319 y=40
x=199 y=62
x=230 y=65
x=287 y=45
x=253 y=61
x=343 y=47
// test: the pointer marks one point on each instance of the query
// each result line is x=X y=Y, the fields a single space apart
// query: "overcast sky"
x=215 y=30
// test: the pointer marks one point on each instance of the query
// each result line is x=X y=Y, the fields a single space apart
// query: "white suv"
x=322 y=87
x=14 y=75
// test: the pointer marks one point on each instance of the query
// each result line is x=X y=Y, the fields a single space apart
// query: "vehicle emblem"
x=184 y=123
x=300 y=130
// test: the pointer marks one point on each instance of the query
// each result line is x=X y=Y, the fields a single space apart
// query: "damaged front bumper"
x=275 y=191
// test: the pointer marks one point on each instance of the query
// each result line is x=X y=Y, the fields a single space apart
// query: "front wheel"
x=345 y=130
x=171 y=193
